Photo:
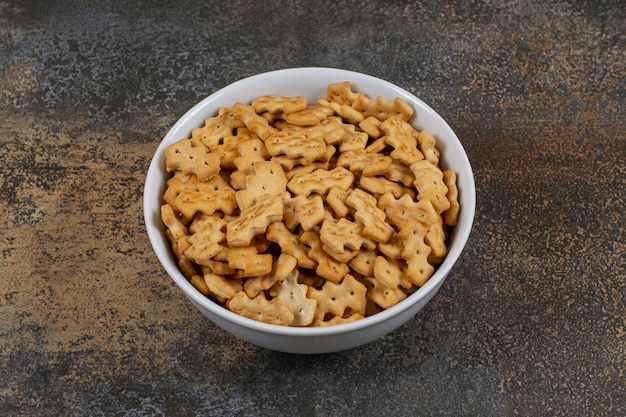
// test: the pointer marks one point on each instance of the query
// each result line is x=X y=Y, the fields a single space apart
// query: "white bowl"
x=312 y=83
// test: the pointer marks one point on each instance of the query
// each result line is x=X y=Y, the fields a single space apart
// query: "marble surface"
x=532 y=321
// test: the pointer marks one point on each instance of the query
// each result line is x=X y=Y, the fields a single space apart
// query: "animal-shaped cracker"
x=399 y=135
x=222 y=288
x=340 y=299
x=341 y=234
x=371 y=217
x=359 y=160
x=451 y=216
x=290 y=244
x=259 y=308
x=341 y=93
x=428 y=145
x=282 y=268
x=405 y=210
x=216 y=128
x=336 y=200
x=191 y=157
x=416 y=253
x=383 y=109
x=384 y=296
x=257 y=124
x=249 y=152
x=344 y=111
x=294 y=296
x=268 y=179
x=371 y=126
x=254 y=220
x=296 y=145
x=205 y=197
x=429 y=184
x=311 y=116
x=331 y=129
x=206 y=241
x=247 y=261
x=172 y=222
x=307 y=212
x=320 y=181
x=327 y=266
x=279 y=104
x=380 y=186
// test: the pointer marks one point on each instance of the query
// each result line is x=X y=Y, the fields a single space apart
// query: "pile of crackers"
x=309 y=215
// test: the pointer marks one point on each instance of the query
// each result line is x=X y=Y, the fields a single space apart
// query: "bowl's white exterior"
x=312 y=83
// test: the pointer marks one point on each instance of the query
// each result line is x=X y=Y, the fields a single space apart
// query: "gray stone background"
x=532 y=320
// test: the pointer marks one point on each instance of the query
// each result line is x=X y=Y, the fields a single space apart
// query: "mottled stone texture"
x=532 y=321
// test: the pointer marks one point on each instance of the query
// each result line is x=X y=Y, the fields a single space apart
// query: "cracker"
x=399 y=135
x=380 y=186
x=191 y=157
x=404 y=210
x=290 y=244
x=281 y=269
x=451 y=216
x=429 y=184
x=364 y=261
x=384 y=296
x=392 y=249
x=187 y=267
x=259 y=308
x=279 y=104
x=247 y=261
x=172 y=222
x=353 y=140
x=216 y=128
x=296 y=145
x=254 y=220
x=294 y=296
x=206 y=243
x=311 y=116
x=307 y=212
x=205 y=197
x=383 y=109
x=341 y=93
x=268 y=179
x=371 y=126
x=330 y=129
x=369 y=215
x=336 y=200
x=387 y=272
x=400 y=173
x=221 y=287
x=341 y=299
x=416 y=253
x=327 y=266
x=344 y=111
x=341 y=234
x=335 y=320
x=320 y=181
x=367 y=163
x=257 y=124
x=198 y=282
x=428 y=146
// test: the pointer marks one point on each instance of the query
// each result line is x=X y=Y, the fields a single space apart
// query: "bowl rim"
x=461 y=234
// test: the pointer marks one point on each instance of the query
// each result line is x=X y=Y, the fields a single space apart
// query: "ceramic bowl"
x=312 y=83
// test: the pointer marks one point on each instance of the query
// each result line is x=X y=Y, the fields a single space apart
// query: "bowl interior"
x=311 y=83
